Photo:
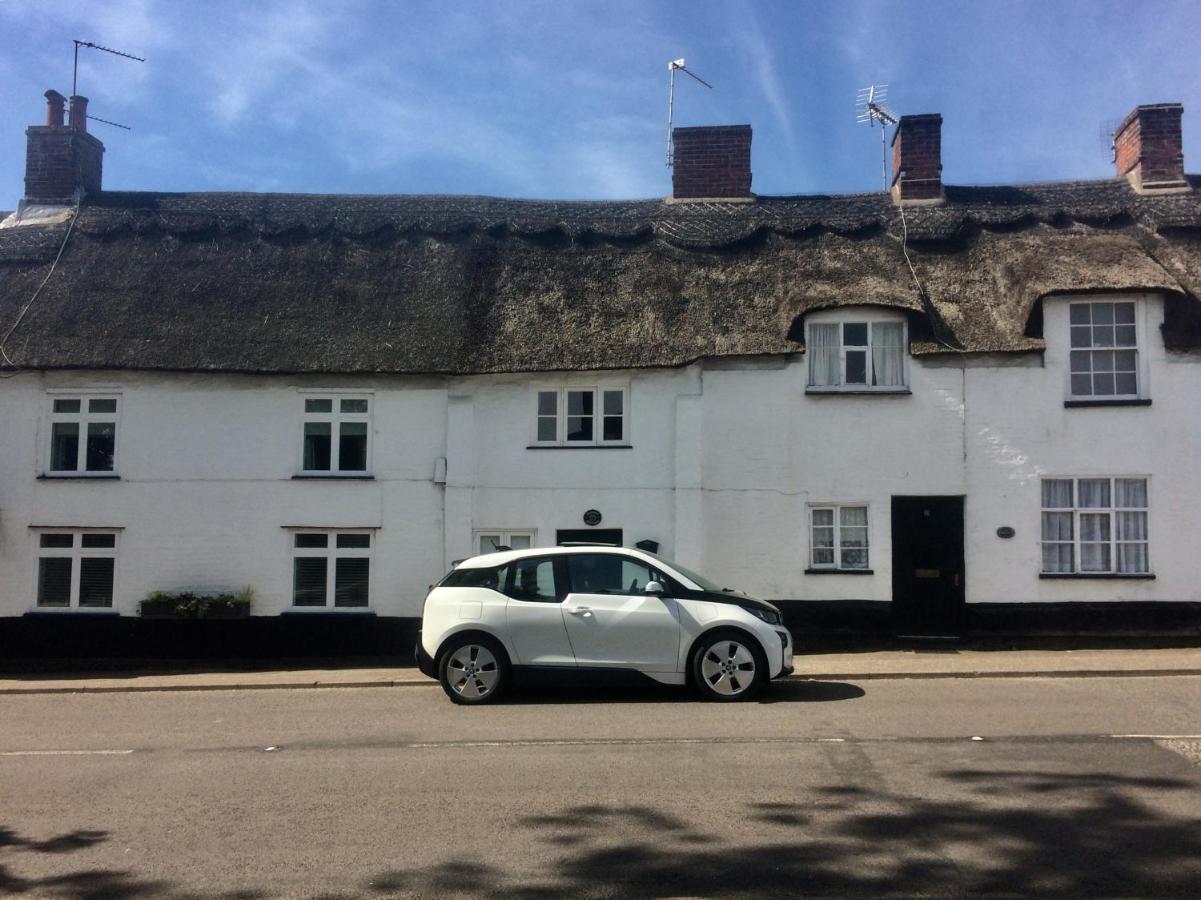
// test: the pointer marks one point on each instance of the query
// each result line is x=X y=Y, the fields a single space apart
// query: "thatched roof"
x=429 y=284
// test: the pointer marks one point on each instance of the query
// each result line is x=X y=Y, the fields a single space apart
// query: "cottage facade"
x=937 y=409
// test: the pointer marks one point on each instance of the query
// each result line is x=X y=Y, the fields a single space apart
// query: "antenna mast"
x=75 y=73
x=869 y=108
x=671 y=100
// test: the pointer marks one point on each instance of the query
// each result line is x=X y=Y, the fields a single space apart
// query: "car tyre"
x=473 y=670
x=728 y=666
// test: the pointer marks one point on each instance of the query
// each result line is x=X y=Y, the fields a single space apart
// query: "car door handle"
x=583 y=611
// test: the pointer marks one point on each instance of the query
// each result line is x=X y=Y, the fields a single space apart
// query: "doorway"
x=927 y=566
x=589 y=536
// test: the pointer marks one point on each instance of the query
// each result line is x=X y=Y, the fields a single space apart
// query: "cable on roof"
x=921 y=290
x=37 y=293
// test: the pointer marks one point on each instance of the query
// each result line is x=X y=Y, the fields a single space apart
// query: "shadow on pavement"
x=1000 y=835
x=538 y=692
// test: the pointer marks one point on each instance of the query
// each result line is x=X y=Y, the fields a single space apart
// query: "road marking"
x=1158 y=737
x=65 y=752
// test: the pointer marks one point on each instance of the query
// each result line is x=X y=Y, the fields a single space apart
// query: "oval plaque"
x=1005 y=532
x=592 y=517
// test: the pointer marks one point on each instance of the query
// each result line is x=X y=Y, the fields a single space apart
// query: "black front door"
x=927 y=566
x=589 y=536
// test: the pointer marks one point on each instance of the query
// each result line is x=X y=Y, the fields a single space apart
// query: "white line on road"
x=1159 y=737
x=65 y=752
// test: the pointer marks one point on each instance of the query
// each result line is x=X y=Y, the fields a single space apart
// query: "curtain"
x=823 y=354
x=1057 y=493
x=1130 y=493
x=888 y=354
x=1094 y=493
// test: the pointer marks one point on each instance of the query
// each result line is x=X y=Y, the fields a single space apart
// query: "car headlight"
x=771 y=617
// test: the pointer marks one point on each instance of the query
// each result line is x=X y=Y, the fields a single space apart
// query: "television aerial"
x=75 y=73
x=870 y=109
x=672 y=67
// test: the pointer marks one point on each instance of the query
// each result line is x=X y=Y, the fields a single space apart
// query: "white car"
x=595 y=608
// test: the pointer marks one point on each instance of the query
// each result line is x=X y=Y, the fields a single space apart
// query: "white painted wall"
x=724 y=459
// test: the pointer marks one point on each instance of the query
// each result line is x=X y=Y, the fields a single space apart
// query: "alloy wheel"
x=472 y=671
x=728 y=667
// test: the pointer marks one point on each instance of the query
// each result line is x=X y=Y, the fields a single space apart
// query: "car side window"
x=608 y=573
x=534 y=580
x=492 y=579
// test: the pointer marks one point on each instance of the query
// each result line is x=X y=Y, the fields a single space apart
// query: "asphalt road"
x=824 y=789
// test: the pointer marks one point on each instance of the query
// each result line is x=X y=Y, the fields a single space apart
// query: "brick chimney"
x=62 y=160
x=917 y=160
x=713 y=162
x=1149 y=150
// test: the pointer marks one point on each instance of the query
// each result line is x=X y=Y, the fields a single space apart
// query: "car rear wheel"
x=473 y=670
x=728 y=666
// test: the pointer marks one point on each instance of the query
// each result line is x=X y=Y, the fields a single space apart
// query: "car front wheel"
x=728 y=665
x=473 y=670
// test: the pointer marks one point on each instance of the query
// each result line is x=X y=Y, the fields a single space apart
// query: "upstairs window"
x=569 y=417
x=337 y=435
x=83 y=435
x=856 y=355
x=1095 y=526
x=76 y=569
x=331 y=569
x=491 y=541
x=1104 y=350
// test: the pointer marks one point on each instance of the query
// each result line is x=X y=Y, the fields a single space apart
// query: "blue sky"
x=568 y=99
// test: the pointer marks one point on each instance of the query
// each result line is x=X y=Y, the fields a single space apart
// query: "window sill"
x=83 y=476
x=857 y=392
x=321 y=476
x=580 y=447
x=71 y=611
x=1132 y=401
x=349 y=612
x=1094 y=576
x=840 y=572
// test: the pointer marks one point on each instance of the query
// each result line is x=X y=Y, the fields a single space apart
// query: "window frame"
x=598 y=416
x=336 y=418
x=505 y=534
x=1110 y=511
x=837 y=547
x=76 y=552
x=331 y=553
x=83 y=419
x=1138 y=349
x=857 y=316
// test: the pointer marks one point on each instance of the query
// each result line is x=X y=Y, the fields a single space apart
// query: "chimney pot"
x=711 y=162
x=54 y=108
x=1149 y=149
x=79 y=113
x=917 y=160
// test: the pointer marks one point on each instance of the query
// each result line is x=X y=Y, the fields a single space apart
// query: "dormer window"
x=856 y=353
x=1104 y=350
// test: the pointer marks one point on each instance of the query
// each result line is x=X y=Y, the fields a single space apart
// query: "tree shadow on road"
x=84 y=883
x=989 y=833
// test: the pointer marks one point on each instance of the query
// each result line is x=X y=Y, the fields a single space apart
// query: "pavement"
x=932 y=662
x=976 y=787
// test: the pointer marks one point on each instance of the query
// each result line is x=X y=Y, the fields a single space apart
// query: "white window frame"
x=83 y=418
x=857 y=316
x=598 y=392
x=1136 y=347
x=336 y=418
x=75 y=553
x=505 y=535
x=1076 y=510
x=332 y=553
x=837 y=508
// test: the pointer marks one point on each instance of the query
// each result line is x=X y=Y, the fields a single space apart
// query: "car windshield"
x=699 y=580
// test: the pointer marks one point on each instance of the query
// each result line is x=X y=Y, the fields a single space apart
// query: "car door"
x=535 y=613
x=612 y=621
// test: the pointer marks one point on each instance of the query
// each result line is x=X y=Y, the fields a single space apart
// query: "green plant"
x=193 y=605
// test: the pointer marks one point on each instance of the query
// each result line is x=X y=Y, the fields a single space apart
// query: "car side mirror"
x=654 y=587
